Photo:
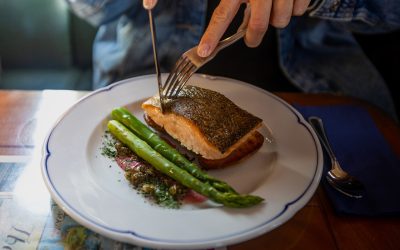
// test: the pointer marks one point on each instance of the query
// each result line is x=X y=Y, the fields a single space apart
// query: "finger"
x=220 y=20
x=149 y=4
x=246 y=17
x=281 y=13
x=300 y=7
x=258 y=23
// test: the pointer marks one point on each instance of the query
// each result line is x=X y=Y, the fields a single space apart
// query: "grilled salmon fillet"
x=205 y=122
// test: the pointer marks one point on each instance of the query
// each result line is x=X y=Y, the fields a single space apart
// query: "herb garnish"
x=148 y=181
x=108 y=145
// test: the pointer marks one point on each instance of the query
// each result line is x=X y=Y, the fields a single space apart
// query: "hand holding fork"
x=256 y=20
x=190 y=61
x=263 y=13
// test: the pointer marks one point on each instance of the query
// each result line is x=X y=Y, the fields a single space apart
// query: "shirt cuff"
x=100 y=11
x=333 y=9
x=313 y=4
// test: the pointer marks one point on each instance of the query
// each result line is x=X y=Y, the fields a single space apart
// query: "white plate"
x=94 y=192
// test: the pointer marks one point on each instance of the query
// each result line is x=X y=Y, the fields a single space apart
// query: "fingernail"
x=149 y=4
x=203 y=50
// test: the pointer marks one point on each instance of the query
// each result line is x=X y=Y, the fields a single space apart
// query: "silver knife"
x=156 y=62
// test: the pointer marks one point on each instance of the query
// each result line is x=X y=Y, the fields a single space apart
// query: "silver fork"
x=190 y=62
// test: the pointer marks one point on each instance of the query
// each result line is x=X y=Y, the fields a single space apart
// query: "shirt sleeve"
x=98 y=12
x=364 y=16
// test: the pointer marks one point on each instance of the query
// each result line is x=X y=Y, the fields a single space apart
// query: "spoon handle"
x=318 y=126
x=338 y=178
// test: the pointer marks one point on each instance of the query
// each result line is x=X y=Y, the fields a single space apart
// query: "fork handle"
x=230 y=40
x=223 y=44
x=235 y=37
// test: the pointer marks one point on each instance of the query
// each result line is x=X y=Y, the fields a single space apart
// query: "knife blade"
x=156 y=62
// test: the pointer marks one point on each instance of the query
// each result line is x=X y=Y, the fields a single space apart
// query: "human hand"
x=149 y=4
x=262 y=13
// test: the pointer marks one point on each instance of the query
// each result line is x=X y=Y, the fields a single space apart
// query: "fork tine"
x=172 y=75
x=183 y=80
x=177 y=70
x=180 y=76
x=181 y=71
x=189 y=62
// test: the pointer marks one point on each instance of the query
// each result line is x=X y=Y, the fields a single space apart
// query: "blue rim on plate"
x=120 y=234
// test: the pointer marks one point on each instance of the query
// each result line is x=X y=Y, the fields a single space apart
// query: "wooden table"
x=26 y=212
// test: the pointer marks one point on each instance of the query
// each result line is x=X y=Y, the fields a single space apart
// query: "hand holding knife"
x=148 y=5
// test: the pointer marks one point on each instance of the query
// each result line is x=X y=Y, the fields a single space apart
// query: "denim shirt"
x=317 y=52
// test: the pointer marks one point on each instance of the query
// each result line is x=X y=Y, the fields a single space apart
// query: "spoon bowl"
x=337 y=177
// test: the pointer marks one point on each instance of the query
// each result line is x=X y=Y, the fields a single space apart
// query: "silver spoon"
x=337 y=177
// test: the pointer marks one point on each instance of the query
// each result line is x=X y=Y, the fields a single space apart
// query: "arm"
x=97 y=12
x=262 y=13
x=367 y=16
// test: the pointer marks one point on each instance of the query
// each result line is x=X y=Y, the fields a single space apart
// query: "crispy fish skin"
x=245 y=149
x=204 y=121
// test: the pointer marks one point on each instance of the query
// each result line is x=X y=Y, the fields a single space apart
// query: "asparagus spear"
x=143 y=150
x=143 y=132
